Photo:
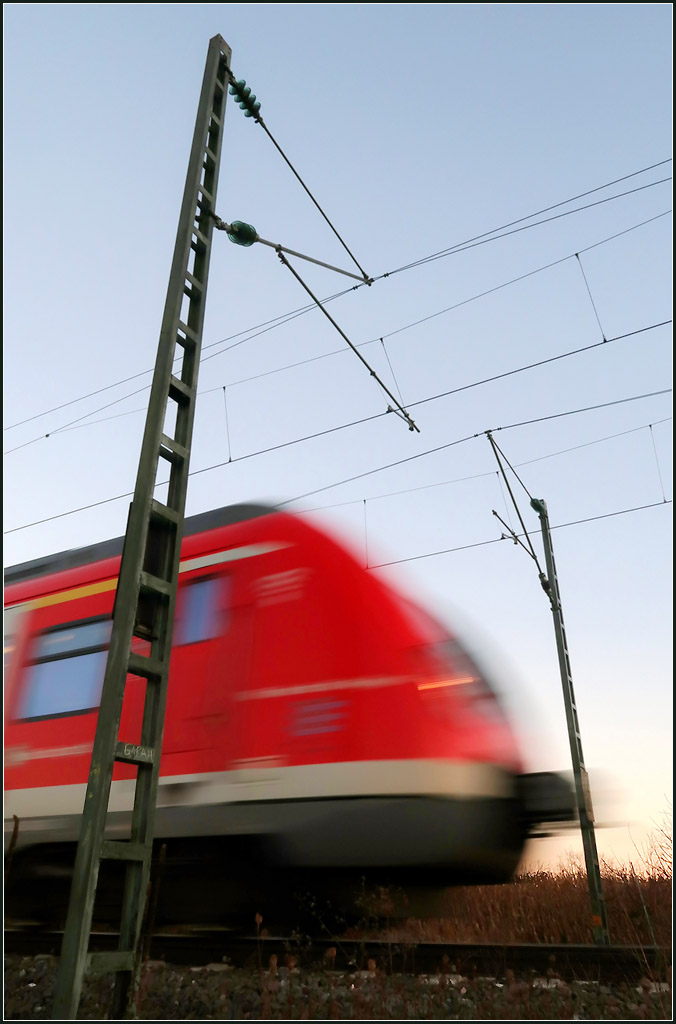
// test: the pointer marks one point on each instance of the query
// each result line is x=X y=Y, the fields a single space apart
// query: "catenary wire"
x=464 y=387
x=479 y=476
x=389 y=363
x=446 y=309
x=540 y=362
x=450 y=444
x=301 y=362
x=117 y=401
x=657 y=462
x=339 y=483
x=309 y=307
x=545 y=209
x=142 y=373
x=471 y=243
x=591 y=297
x=497 y=540
x=588 y=408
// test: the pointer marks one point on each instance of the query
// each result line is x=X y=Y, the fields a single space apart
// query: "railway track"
x=201 y=947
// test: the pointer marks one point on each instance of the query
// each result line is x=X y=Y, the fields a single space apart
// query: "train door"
x=16 y=624
x=210 y=664
x=298 y=708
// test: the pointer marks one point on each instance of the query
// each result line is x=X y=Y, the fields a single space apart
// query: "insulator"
x=236 y=87
x=242 y=234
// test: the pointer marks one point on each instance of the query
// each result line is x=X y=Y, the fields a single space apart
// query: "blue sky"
x=530 y=145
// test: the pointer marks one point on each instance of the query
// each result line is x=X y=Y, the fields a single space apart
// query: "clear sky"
x=528 y=147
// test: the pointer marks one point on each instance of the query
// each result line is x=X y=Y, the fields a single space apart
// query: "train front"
x=399 y=768
x=487 y=806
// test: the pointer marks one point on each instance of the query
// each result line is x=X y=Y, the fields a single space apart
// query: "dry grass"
x=554 y=907
x=547 y=906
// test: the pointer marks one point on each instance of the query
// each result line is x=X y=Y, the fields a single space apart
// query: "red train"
x=321 y=730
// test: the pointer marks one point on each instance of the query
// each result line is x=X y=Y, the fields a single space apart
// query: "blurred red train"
x=321 y=730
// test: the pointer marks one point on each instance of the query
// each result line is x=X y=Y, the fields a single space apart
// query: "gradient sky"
x=527 y=145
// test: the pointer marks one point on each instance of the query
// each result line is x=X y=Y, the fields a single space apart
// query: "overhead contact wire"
x=493 y=235
x=588 y=408
x=533 y=366
x=431 y=398
x=286 y=317
x=450 y=444
x=362 y=344
x=480 y=476
x=497 y=540
x=70 y=424
x=267 y=325
x=338 y=483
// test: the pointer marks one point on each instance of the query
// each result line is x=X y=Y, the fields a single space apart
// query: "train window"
x=463 y=672
x=201 y=614
x=65 y=675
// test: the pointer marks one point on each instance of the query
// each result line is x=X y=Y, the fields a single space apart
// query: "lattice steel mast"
x=146 y=591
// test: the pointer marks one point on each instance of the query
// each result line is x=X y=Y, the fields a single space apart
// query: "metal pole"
x=582 y=791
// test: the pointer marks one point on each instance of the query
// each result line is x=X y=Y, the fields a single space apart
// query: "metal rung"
x=188 y=331
x=207 y=195
x=200 y=237
x=110 y=963
x=113 y=849
x=171 y=450
x=210 y=156
x=199 y=285
x=155 y=584
x=137 y=665
x=160 y=511
x=192 y=293
x=179 y=391
x=187 y=343
x=132 y=753
x=215 y=119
